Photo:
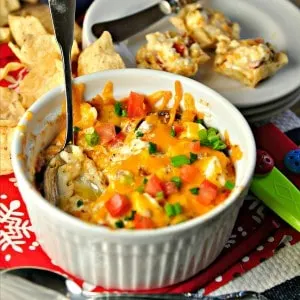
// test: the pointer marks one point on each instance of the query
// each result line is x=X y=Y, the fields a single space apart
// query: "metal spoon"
x=63 y=18
x=34 y=283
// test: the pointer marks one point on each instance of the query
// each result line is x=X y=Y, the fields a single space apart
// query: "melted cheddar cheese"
x=136 y=166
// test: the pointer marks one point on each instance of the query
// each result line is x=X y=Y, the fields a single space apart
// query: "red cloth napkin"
x=257 y=234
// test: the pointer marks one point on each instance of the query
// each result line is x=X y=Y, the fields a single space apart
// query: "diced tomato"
x=207 y=193
x=169 y=188
x=136 y=105
x=179 y=48
x=195 y=147
x=107 y=132
x=188 y=173
x=154 y=186
x=118 y=205
x=141 y=222
x=178 y=129
x=119 y=138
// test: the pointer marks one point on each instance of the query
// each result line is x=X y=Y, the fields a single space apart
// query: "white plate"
x=267 y=19
x=267 y=115
x=271 y=106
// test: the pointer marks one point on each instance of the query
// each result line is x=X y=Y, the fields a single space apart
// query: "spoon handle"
x=63 y=18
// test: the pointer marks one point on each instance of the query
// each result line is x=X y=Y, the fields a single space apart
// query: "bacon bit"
x=178 y=98
x=179 y=48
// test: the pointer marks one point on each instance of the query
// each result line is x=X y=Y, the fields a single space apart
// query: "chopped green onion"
x=213 y=138
x=219 y=145
x=141 y=189
x=124 y=113
x=199 y=121
x=194 y=191
x=177 y=181
x=152 y=148
x=92 y=139
x=229 y=185
x=160 y=196
x=169 y=209
x=193 y=157
x=76 y=129
x=202 y=135
x=79 y=203
x=177 y=209
x=212 y=131
x=180 y=160
x=173 y=132
x=131 y=216
x=145 y=180
x=119 y=224
x=118 y=109
x=139 y=134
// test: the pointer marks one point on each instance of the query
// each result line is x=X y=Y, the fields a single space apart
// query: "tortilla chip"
x=36 y=48
x=42 y=12
x=11 y=109
x=5 y=35
x=6 y=134
x=10 y=67
x=99 y=56
x=41 y=79
x=22 y=26
x=7 y=6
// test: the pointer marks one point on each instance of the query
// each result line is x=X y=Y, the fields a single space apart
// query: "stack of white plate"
x=277 y=21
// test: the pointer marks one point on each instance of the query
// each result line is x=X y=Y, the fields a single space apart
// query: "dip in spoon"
x=63 y=18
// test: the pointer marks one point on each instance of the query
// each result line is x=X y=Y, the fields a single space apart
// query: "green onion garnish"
x=119 y=224
x=202 y=134
x=160 y=196
x=177 y=209
x=131 y=216
x=219 y=145
x=139 y=134
x=152 y=148
x=180 y=160
x=140 y=189
x=229 y=185
x=92 y=139
x=212 y=131
x=193 y=157
x=199 y=121
x=194 y=191
x=177 y=181
x=118 y=109
x=76 y=129
x=145 y=180
x=79 y=203
x=124 y=113
x=173 y=132
x=169 y=209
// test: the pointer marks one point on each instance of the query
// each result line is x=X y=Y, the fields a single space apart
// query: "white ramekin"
x=126 y=259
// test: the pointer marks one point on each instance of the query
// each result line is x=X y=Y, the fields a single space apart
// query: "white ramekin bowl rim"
x=71 y=221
